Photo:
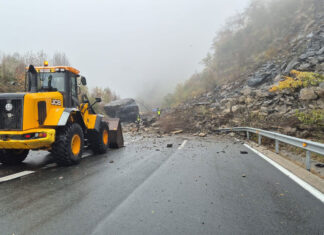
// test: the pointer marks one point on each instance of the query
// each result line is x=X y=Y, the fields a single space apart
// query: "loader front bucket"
x=115 y=139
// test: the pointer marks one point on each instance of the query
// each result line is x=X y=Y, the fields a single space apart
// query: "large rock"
x=320 y=91
x=308 y=94
x=264 y=74
x=321 y=51
x=304 y=66
x=246 y=91
x=258 y=79
x=291 y=65
x=125 y=109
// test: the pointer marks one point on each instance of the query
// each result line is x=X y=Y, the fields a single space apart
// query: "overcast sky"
x=130 y=46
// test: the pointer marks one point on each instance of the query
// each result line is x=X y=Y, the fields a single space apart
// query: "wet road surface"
x=201 y=186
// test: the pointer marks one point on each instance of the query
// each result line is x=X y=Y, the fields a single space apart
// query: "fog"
x=138 y=48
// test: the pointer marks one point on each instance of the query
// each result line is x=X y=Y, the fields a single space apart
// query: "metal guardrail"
x=308 y=145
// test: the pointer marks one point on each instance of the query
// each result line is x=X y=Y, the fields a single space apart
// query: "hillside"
x=256 y=45
x=265 y=70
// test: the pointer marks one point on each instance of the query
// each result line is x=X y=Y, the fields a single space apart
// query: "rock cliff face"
x=305 y=54
x=298 y=112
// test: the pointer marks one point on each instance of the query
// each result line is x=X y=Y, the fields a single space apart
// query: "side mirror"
x=98 y=100
x=83 y=81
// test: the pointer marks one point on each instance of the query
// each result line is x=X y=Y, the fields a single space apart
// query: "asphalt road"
x=205 y=187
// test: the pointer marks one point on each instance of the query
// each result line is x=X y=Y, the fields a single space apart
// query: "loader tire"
x=99 y=140
x=116 y=139
x=13 y=156
x=68 y=146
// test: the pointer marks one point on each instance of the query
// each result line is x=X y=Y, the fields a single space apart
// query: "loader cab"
x=61 y=79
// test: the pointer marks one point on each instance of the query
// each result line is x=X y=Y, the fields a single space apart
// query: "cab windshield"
x=51 y=81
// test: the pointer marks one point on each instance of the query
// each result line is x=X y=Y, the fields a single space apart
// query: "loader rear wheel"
x=99 y=140
x=13 y=156
x=116 y=139
x=68 y=147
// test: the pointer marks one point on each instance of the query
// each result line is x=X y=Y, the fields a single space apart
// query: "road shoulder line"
x=183 y=144
x=15 y=176
x=316 y=193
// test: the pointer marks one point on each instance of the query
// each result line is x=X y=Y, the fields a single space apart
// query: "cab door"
x=71 y=91
x=74 y=91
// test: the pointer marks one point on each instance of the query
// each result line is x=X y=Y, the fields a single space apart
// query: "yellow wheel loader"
x=52 y=115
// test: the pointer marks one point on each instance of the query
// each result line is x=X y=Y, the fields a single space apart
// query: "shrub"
x=298 y=80
x=311 y=117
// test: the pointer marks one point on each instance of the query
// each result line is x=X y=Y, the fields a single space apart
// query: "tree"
x=59 y=58
x=36 y=59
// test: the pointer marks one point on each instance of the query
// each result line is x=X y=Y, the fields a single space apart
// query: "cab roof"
x=56 y=68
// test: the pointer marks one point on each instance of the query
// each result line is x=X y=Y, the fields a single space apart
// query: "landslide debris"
x=283 y=91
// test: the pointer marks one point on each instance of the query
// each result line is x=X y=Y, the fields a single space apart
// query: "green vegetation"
x=312 y=117
x=248 y=39
x=299 y=80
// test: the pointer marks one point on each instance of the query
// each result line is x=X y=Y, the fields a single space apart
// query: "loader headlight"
x=8 y=107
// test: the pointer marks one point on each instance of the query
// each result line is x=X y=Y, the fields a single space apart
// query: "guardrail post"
x=308 y=162
x=248 y=135
x=277 y=146
x=259 y=139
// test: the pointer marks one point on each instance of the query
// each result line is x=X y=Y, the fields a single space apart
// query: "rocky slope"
x=298 y=112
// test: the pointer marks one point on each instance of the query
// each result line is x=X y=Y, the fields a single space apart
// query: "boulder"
x=321 y=51
x=291 y=65
x=226 y=111
x=303 y=57
x=308 y=94
x=304 y=66
x=258 y=79
x=321 y=85
x=319 y=91
x=290 y=130
x=236 y=108
x=202 y=134
x=264 y=74
x=241 y=99
x=262 y=94
x=125 y=109
x=246 y=91
x=248 y=100
x=310 y=53
x=320 y=67
x=264 y=109
x=282 y=109
x=320 y=103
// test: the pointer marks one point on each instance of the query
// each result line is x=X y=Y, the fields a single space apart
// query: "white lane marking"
x=86 y=155
x=15 y=176
x=183 y=144
x=299 y=181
